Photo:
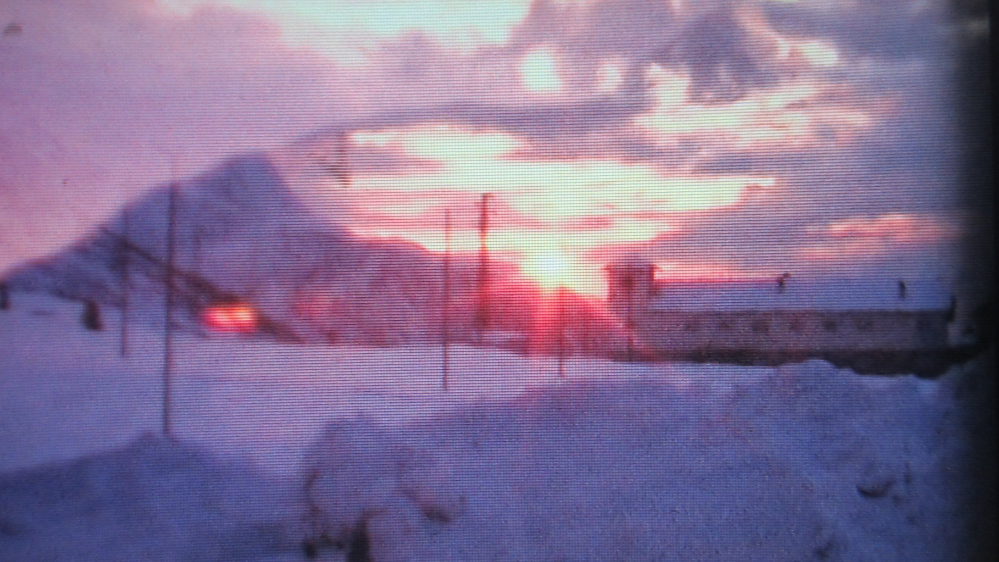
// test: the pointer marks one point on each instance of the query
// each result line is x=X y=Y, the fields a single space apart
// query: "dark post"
x=168 y=326
x=782 y=281
x=4 y=296
x=124 y=264
x=561 y=332
x=446 y=297
x=92 y=316
x=629 y=286
x=482 y=310
x=196 y=249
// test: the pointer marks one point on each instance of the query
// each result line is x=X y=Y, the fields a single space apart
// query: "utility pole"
x=124 y=257
x=168 y=325
x=629 y=287
x=446 y=297
x=482 y=310
x=561 y=332
x=196 y=237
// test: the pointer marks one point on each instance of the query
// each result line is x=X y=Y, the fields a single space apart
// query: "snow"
x=805 y=294
x=153 y=500
x=243 y=234
x=277 y=446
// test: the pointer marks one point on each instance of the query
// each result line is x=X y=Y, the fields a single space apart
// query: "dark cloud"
x=892 y=29
x=382 y=161
x=723 y=59
x=714 y=42
x=548 y=122
x=709 y=40
x=12 y=29
x=735 y=163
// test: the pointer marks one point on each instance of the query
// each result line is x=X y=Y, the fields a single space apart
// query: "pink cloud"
x=103 y=99
x=897 y=227
x=862 y=237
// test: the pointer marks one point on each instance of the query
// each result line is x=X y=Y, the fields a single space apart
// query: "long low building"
x=878 y=326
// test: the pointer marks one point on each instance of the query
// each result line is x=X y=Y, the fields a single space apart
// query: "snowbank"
x=802 y=463
x=152 y=500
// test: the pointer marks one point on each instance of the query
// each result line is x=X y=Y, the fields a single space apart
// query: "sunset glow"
x=757 y=135
x=536 y=201
x=551 y=269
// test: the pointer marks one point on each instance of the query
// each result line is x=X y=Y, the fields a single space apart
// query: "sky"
x=719 y=139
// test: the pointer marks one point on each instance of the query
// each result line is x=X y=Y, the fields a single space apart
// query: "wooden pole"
x=561 y=332
x=168 y=325
x=125 y=281
x=446 y=297
x=482 y=310
x=630 y=326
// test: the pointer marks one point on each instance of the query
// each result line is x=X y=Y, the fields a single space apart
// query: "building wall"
x=891 y=339
x=630 y=285
x=804 y=331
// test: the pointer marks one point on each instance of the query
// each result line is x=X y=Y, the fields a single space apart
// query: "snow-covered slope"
x=256 y=399
x=365 y=457
x=241 y=233
x=155 y=499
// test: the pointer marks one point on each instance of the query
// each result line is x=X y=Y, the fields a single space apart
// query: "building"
x=878 y=326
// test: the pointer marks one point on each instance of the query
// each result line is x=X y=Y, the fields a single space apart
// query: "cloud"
x=864 y=236
x=539 y=71
x=767 y=232
x=931 y=254
x=715 y=132
x=886 y=29
x=103 y=99
x=346 y=30
x=722 y=55
x=795 y=115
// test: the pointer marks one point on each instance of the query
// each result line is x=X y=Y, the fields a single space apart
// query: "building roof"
x=802 y=294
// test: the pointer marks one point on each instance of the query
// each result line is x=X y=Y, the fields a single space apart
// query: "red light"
x=237 y=318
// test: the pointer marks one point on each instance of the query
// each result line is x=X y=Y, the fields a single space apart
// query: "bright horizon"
x=716 y=140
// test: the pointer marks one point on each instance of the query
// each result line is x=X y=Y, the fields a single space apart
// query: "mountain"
x=242 y=235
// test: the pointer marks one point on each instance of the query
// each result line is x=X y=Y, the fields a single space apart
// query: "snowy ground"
x=288 y=452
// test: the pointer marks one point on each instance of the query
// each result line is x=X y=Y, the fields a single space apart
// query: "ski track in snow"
x=279 y=444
